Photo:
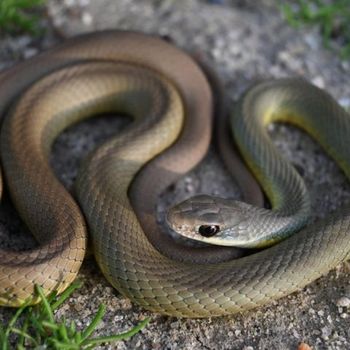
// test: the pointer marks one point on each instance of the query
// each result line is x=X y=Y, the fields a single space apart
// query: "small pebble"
x=320 y=313
x=174 y=324
x=87 y=19
x=296 y=334
x=345 y=65
x=22 y=41
x=30 y=52
x=345 y=102
x=78 y=307
x=84 y=3
x=318 y=81
x=343 y=302
x=326 y=332
x=312 y=41
x=69 y=3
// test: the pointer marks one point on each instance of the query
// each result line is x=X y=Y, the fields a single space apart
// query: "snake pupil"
x=208 y=230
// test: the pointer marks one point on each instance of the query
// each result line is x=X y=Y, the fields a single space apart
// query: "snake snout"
x=172 y=218
x=177 y=220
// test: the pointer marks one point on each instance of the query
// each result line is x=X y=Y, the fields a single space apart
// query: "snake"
x=170 y=101
x=229 y=222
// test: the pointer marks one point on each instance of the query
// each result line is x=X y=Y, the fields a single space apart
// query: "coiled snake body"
x=168 y=96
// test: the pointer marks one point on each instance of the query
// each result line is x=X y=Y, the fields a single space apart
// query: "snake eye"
x=208 y=230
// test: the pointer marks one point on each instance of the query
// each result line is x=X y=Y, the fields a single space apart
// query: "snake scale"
x=170 y=100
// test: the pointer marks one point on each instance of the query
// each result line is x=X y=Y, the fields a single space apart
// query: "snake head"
x=211 y=220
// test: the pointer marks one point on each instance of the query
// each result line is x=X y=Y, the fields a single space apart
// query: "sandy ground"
x=244 y=43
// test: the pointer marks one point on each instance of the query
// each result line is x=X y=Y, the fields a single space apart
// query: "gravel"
x=245 y=43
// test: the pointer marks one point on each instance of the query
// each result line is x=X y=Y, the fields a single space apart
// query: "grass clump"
x=35 y=327
x=19 y=16
x=332 y=17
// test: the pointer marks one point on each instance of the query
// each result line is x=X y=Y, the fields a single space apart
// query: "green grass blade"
x=121 y=336
x=50 y=325
x=63 y=332
x=52 y=297
x=25 y=335
x=91 y=327
x=25 y=4
x=25 y=331
x=289 y=15
x=78 y=337
x=18 y=15
x=72 y=328
x=45 y=303
x=11 y=324
x=36 y=323
x=65 y=295
x=332 y=18
x=40 y=329
x=57 y=344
